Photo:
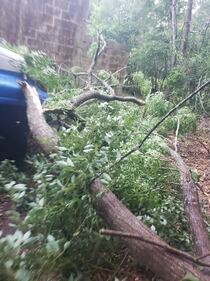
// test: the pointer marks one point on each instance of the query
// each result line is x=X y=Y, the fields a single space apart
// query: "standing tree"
x=174 y=31
x=187 y=22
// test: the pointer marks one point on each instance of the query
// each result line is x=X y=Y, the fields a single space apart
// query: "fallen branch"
x=165 y=265
x=92 y=92
x=167 y=248
x=40 y=130
x=81 y=99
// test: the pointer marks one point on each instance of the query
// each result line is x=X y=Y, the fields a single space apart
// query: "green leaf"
x=41 y=202
x=70 y=163
x=107 y=177
x=66 y=245
x=190 y=277
x=27 y=235
x=9 y=263
x=52 y=245
x=23 y=275
x=8 y=186
x=153 y=228
x=19 y=187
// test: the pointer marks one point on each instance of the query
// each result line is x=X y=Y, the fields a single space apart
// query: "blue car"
x=13 y=121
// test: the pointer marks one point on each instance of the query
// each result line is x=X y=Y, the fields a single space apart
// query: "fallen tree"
x=166 y=264
x=41 y=132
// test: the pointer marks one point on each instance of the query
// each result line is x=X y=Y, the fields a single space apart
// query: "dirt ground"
x=195 y=150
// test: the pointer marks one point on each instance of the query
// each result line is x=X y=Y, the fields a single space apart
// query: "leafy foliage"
x=139 y=79
x=60 y=233
x=146 y=27
x=42 y=69
x=61 y=226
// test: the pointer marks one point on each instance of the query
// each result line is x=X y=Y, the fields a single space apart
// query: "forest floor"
x=195 y=151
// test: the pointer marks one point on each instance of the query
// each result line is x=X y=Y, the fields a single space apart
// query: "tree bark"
x=174 y=31
x=79 y=100
x=165 y=265
x=187 y=22
x=40 y=130
x=192 y=208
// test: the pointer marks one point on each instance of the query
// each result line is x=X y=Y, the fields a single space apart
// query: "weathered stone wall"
x=56 y=27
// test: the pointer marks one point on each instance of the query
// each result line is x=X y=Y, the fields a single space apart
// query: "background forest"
x=56 y=225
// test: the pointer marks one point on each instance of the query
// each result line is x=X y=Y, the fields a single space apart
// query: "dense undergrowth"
x=60 y=231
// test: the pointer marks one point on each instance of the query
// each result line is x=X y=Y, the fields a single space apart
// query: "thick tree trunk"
x=187 y=22
x=165 y=265
x=174 y=31
x=192 y=208
x=40 y=130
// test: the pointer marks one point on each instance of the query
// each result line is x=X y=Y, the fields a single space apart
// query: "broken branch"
x=81 y=99
x=41 y=132
x=161 y=245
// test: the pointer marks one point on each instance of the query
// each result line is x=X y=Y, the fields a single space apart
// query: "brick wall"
x=56 y=27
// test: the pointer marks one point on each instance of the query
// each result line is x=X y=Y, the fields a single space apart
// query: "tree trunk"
x=165 y=265
x=174 y=31
x=192 y=208
x=187 y=22
x=40 y=130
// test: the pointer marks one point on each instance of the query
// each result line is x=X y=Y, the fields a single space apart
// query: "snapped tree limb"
x=167 y=248
x=86 y=98
x=81 y=99
x=42 y=133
